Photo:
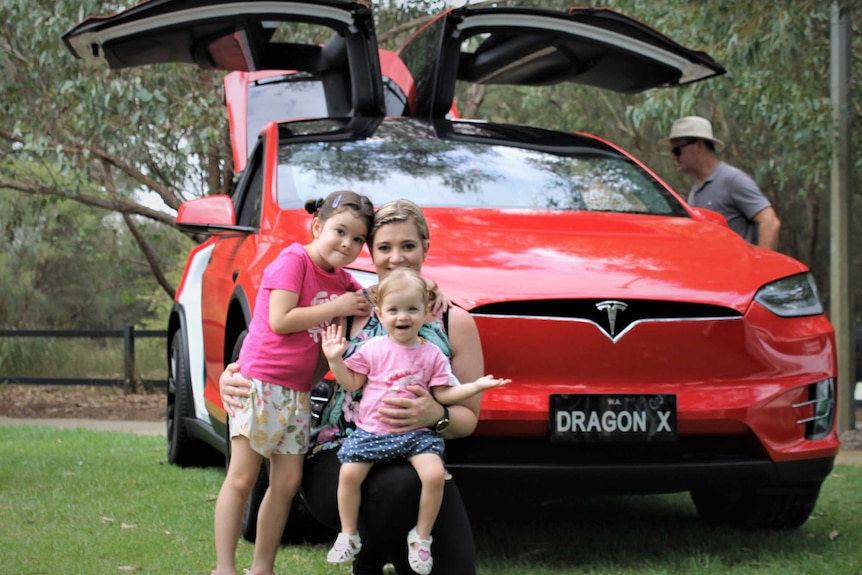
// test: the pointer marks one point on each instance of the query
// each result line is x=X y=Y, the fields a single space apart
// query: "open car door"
x=333 y=40
x=535 y=47
x=254 y=99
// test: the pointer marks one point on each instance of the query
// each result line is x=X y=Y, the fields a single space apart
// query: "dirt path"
x=80 y=402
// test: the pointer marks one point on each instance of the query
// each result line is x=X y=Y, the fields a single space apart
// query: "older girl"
x=302 y=290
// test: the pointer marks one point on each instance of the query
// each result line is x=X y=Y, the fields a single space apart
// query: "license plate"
x=614 y=417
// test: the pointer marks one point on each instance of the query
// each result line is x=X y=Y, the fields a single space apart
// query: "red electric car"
x=651 y=349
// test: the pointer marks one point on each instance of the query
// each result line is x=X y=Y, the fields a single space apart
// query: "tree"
x=64 y=267
x=107 y=140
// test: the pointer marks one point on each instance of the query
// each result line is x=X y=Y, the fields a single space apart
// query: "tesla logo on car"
x=612 y=307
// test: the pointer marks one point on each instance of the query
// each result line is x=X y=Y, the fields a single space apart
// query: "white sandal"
x=419 y=556
x=346 y=547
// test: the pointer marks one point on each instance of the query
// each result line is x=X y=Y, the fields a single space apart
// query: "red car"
x=651 y=349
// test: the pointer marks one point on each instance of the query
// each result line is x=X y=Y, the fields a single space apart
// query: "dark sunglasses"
x=676 y=150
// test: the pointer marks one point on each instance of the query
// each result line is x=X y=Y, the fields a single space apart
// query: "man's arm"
x=768 y=226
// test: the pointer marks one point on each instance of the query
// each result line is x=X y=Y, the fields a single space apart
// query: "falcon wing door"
x=535 y=47
x=254 y=99
x=333 y=40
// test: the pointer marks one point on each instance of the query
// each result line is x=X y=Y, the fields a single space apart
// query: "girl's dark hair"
x=337 y=202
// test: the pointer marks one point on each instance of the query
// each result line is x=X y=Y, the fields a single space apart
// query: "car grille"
x=613 y=317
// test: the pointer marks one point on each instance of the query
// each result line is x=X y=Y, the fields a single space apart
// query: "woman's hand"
x=233 y=386
x=439 y=303
x=407 y=414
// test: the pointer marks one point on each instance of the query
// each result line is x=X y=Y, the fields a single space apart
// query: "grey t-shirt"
x=732 y=193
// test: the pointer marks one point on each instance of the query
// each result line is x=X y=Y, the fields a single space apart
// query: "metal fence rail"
x=130 y=379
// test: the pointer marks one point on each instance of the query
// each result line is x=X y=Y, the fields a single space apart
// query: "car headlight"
x=793 y=296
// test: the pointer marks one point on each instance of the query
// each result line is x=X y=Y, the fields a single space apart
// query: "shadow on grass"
x=636 y=534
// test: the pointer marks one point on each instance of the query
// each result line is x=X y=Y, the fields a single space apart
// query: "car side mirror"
x=207 y=214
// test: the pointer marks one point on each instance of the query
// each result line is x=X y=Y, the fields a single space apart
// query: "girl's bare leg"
x=241 y=476
x=432 y=473
x=285 y=476
x=350 y=479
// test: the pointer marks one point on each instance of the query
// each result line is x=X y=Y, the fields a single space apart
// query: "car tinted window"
x=449 y=173
x=286 y=97
x=421 y=56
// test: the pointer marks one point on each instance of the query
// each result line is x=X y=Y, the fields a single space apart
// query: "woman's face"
x=397 y=245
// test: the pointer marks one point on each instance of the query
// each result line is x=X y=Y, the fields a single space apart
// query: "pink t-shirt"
x=390 y=368
x=289 y=359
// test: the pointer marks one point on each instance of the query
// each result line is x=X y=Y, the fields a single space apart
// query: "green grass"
x=87 y=502
x=80 y=357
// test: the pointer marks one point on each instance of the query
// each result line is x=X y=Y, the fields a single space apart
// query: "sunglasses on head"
x=676 y=150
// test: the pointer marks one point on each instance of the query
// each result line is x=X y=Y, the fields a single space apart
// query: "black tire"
x=182 y=450
x=757 y=508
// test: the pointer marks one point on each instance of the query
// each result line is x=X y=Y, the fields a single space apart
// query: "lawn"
x=88 y=502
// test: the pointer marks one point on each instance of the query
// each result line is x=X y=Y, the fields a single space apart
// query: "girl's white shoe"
x=345 y=548
x=419 y=553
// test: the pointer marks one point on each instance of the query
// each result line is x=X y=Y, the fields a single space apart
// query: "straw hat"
x=693 y=127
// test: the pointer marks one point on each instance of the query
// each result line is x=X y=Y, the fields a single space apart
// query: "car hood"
x=536 y=256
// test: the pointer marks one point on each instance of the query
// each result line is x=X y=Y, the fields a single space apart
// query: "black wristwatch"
x=443 y=422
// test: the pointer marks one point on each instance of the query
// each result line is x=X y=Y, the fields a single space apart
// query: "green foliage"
x=64 y=267
x=110 y=141
x=84 y=502
x=87 y=358
x=149 y=121
x=18 y=356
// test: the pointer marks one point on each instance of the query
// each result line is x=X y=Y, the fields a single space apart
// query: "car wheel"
x=182 y=449
x=757 y=508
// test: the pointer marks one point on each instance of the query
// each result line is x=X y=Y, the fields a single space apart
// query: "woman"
x=398 y=238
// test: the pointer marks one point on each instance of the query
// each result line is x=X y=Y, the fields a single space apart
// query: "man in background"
x=719 y=186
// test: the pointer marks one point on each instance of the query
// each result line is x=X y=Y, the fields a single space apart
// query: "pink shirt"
x=390 y=368
x=289 y=359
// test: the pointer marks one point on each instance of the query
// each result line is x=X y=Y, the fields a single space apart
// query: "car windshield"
x=446 y=172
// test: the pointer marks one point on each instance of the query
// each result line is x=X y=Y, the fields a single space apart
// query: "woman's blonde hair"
x=400 y=211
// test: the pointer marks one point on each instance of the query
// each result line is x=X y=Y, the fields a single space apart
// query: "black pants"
x=390 y=504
